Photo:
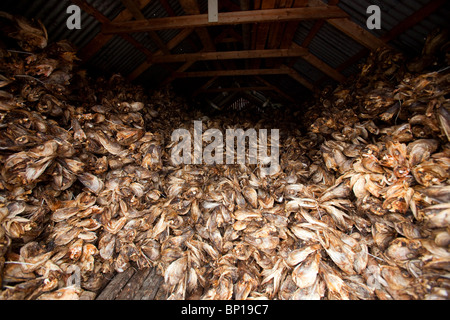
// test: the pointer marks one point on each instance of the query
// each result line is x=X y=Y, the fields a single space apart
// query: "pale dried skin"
x=64 y=213
x=274 y=275
x=176 y=271
x=246 y=284
x=305 y=274
x=431 y=173
x=313 y=292
x=420 y=150
x=33 y=256
x=68 y=293
x=66 y=234
x=106 y=246
x=297 y=256
x=304 y=234
x=91 y=182
x=251 y=196
x=402 y=250
x=341 y=253
x=36 y=169
x=245 y=214
x=335 y=284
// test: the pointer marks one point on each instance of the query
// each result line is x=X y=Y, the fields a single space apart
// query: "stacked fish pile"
x=358 y=208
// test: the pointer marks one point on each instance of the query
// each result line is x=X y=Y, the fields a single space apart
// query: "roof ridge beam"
x=226 y=18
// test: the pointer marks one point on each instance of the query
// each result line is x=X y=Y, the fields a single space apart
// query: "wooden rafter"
x=170 y=45
x=320 y=65
x=316 y=27
x=246 y=28
x=299 y=78
x=104 y=20
x=357 y=33
x=274 y=24
x=132 y=6
x=413 y=19
x=276 y=89
x=400 y=28
x=277 y=29
x=236 y=89
x=226 y=18
x=226 y=73
x=261 y=29
x=291 y=27
x=352 y=29
x=247 y=72
x=226 y=55
x=205 y=86
x=88 y=51
x=191 y=8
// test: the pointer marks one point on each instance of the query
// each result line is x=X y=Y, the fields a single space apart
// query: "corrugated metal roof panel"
x=176 y=7
x=109 y=8
x=118 y=56
x=302 y=31
x=154 y=10
x=333 y=47
x=144 y=39
x=308 y=71
x=413 y=39
x=329 y=45
x=288 y=86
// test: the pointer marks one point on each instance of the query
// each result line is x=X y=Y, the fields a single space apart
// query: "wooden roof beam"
x=104 y=20
x=357 y=33
x=276 y=89
x=228 y=55
x=170 y=45
x=89 y=50
x=226 y=73
x=226 y=18
x=248 y=72
x=412 y=20
x=191 y=8
x=262 y=30
x=320 y=65
x=237 y=89
x=246 y=28
x=316 y=28
x=291 y=27
x=205 y=86
x=132 y=6
x=352 y=29
x=300 y=79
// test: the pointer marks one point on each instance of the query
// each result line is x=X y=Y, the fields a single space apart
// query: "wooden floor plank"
x=133 y=285
x=111 y=291
x=150 y=287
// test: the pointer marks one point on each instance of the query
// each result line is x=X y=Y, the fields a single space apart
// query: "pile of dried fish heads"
x=359 y=208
